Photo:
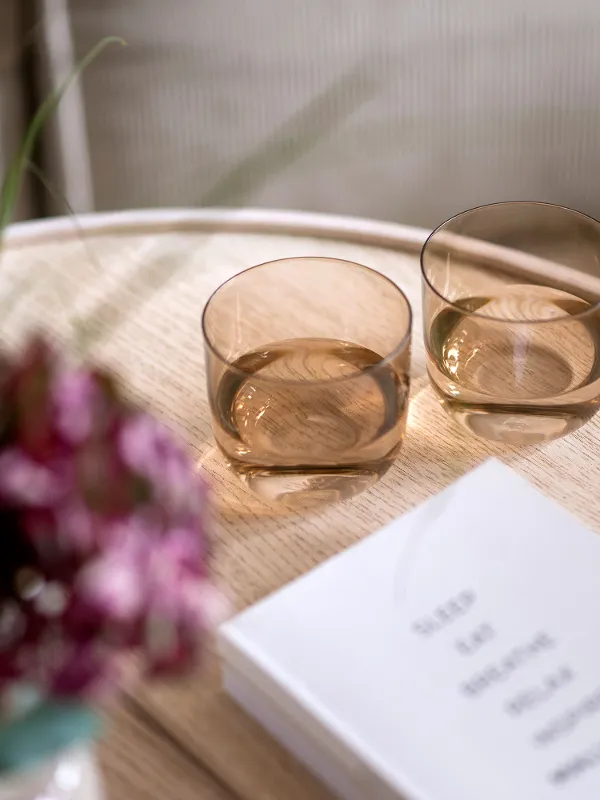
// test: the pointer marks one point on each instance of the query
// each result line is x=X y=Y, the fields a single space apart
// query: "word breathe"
x=498 y=673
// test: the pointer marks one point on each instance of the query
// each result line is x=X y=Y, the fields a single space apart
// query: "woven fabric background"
x=408 y=110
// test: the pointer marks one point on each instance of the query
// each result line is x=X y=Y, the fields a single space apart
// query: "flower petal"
x=74 y=395
x=23 y=481
x=112 y=586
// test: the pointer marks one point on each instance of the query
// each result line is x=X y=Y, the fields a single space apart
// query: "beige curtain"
x=408 y=110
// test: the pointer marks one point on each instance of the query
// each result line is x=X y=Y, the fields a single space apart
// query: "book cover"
x=453 y=655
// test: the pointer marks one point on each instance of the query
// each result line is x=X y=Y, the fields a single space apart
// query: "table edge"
x=389 y=235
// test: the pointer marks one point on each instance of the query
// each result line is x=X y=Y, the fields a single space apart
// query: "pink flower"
x=149 y=448
x=77 y=528
x=26 y=482
x=75 y=396
x=112 y=585
x=103 y=521
x=86 y=670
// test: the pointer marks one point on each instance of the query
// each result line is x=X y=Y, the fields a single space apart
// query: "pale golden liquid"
x=311 y=420
x=520 y=383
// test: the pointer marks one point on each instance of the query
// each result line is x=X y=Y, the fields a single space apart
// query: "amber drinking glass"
x=307 y=363
x=512 y=321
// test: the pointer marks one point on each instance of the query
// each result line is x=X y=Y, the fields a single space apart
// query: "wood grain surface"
x=139 y=762
x=139 y=289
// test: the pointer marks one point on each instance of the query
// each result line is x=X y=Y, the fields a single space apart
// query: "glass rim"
x=384 y=361
x=542 y=320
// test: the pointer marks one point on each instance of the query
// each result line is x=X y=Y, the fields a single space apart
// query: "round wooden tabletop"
x=135 y=284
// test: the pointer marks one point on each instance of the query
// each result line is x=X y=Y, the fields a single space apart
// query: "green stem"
x=12 y=182
x=77 y=326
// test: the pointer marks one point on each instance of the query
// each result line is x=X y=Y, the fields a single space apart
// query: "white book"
x=453 y=655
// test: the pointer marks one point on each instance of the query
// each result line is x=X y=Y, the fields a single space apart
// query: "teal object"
x=44 y=731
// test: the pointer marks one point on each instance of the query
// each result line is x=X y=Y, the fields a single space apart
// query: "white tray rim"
x=389 y=235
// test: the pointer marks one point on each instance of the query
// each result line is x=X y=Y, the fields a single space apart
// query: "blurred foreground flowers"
x=104 y=547
x=103 y=527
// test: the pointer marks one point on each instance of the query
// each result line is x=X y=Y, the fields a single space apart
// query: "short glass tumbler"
x=511 y=310
x=307 y=363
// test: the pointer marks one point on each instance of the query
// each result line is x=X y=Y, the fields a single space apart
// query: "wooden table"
x=138 y=281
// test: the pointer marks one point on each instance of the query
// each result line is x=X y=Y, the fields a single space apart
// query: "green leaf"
x=12 y=181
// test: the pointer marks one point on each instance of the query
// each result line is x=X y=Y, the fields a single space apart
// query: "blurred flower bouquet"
x=105 y=554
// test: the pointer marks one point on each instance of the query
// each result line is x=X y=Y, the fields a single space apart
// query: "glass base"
x=514 y=428
x=302 y=488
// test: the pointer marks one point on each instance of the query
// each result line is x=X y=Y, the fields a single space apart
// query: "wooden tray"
x=139 y=280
